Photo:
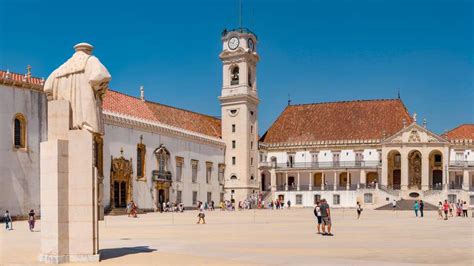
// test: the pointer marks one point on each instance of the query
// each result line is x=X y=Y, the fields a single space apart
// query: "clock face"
x=251 y=45
x=233 y=43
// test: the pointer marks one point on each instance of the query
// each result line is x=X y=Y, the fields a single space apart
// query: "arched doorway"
x=317 y=180
x=344 y=179
x=414 y=170
x=265 y=181
x=121 y=182
x=291 y=183
x=394 y=169
x=372 y=178
x=436 y=169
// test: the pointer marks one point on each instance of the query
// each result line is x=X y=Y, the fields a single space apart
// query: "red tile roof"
x=20 y=80
x=462 y=132
x=127 y=105
x=348 y=120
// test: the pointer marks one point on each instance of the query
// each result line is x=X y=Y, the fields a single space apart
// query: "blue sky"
x=316 y=51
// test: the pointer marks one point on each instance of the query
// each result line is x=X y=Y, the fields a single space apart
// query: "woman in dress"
x=31 y=219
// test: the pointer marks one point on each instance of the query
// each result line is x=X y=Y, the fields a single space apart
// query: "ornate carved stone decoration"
x=414 y=136
x=121 y=185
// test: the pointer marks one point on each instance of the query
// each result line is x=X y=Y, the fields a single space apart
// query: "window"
x=251 y=145
x=459 y=157
x=194 y=170
x=249 y=77
x=233 y=144
x=141 y=151
x=195 y=196
x=233 y=128
x=233 y=177
x=335 y=158
x=179 y=196
x=452 y=198
x=234 y=76
x=251 y=129
x=221 y=174
x=471 y=199
x=317 y=198
x=368 y=198
x=208 y=172
x=299 y=199
x=162 y=156
x=336 y=199
x=209 y=196
x=19 y=131
x=314 y=157
x=179 y=168
x=233 y=160
x=359 y=156
x=251 y=161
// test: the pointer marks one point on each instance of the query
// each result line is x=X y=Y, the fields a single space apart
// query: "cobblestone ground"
x=267 y=237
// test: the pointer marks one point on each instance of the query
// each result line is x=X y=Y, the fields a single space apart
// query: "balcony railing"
x=161 y=175
x=335 y=164
x=455 y=186
x=461 y=163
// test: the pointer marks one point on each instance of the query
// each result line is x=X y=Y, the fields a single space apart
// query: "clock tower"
x=239 y=102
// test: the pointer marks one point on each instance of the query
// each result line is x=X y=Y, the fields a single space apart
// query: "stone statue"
x=83 y=81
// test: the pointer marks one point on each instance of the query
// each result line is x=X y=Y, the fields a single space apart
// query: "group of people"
x=418 y=206
x=7 y=218
x=132 y=209
x=323 y=217
x=279 y=204
x=460 y=207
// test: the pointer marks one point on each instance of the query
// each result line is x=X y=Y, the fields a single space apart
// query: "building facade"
x=368 y=151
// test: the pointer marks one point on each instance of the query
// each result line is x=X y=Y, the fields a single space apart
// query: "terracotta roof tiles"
x=20 y=80
x=462 y=132
x=124 y=104
x=348 y=120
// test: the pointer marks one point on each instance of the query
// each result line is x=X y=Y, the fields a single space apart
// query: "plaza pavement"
x=266 y=237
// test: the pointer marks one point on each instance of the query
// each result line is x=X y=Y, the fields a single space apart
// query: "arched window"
x=19 y=131
x=249 y=77
x=234 y=76
x=141 y=151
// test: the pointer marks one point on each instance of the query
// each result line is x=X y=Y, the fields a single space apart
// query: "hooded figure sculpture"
x=83 y=81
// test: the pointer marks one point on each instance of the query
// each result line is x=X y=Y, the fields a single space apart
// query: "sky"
x=310 y=51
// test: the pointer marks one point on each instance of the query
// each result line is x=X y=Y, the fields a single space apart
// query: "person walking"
x=317 y=213
x=31 y=219
x=289 y=204
x=422 y=207
x=201 y=214
x=446 y=209
x=8 y=220
x=394 y=204
x=359 y=210
x=326 y=216
x=440 y=210
x=464 y=209
x=416 y=207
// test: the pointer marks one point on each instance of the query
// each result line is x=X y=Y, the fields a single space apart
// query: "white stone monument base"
x=69 y=198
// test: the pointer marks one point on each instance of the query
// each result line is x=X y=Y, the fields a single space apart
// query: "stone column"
x=286 y=181
x=273 y=180
x=348 y=183
x=404 y=170
x=323 y=180
x=425 y=170
x=310 y=181
x=465 y=180
x=363 y=177
x=384 y=176
x=298 y=180
x=335 y=180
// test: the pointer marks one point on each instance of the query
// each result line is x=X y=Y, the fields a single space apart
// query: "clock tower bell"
x=239 y=102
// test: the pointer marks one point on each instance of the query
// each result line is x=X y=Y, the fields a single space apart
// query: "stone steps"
x=407 y=205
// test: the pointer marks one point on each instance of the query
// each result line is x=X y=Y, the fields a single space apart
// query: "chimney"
x=424 y=122
x=142 y=93
x=28 y=71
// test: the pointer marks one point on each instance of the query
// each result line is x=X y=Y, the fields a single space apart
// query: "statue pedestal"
x=69 y=191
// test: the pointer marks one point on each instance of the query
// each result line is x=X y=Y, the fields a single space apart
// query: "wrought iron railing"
x=461 y=163
x=335 y=164
x=455 y=186
x=158 y=175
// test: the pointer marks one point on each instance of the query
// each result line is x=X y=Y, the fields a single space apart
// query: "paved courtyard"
x=262 y=237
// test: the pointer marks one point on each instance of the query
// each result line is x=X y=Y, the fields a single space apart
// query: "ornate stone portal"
x=414 y=161
x=121 y=184
x=70 y=160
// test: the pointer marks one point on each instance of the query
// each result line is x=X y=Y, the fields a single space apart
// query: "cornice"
x=122 y=120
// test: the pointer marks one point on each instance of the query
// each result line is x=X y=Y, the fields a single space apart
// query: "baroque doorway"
x=414 y=170
x=121 y=184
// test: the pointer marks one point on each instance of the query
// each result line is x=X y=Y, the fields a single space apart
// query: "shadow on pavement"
x=111 y=253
